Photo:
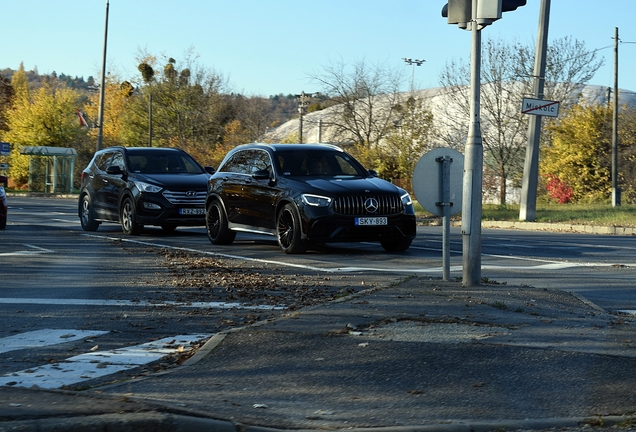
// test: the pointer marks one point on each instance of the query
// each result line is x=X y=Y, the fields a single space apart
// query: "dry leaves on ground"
x=207 y=279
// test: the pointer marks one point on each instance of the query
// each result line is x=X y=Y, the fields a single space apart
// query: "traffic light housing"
x=460 y=11
x=510 y=5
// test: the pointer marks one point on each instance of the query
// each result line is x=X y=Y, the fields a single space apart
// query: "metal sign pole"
x=445 y=204
x=437 y=184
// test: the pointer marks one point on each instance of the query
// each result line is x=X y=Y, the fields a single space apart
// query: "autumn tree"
x=6 y=98
x=255 y=114
x=45 y=118
x=405 y=143
x=580 y=156
x=627 y=154
x=365 y=95
x=116 y=104
x=580 y=153
x=188 y=104
x=20 y=83
x=506 y=76
x=569 y=65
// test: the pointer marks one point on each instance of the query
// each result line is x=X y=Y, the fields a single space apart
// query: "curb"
x=540 y=226
x=151 y=422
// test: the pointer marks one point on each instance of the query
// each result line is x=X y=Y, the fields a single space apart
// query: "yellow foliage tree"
x=580 y=153
x=116 y=101
x=46 y=118
x=235 y=134
x=20 y=83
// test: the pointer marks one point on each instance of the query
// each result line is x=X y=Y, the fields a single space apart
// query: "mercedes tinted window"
x=240 y=162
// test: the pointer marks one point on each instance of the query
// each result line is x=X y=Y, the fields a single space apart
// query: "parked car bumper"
x=153 y=209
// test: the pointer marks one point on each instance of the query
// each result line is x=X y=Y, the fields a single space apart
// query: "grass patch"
x=575 y=214
x=500 y=305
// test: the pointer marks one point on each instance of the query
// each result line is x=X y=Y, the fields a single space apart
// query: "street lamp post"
x=100 y=117
x=616 y=191
x=413 y=63
x=303 y=103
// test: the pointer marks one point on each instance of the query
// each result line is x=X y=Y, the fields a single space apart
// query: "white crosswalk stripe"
x=99 y=302
x=44 y=337
x=90 y=365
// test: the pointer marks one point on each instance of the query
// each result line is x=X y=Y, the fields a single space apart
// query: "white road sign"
x=540 y=107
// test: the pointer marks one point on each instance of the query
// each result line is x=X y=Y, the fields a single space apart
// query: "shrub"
x=558 y=190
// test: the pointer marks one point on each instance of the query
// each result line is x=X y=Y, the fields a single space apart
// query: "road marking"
x=238 y=257
x=97 y=364
x=44 y=337
x=98 y=302
x=38 y=250
x=546 y=264
x=627 y=311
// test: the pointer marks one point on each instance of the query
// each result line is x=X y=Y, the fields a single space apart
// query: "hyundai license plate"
x=371 y=221
x=191 y=211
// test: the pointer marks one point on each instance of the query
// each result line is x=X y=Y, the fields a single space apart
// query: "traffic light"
x=510 y=5
x=460 y=11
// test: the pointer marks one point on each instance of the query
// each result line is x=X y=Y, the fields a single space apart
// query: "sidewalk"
x=420 y=355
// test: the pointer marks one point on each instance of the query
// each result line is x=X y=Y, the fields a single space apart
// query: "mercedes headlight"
x=316 y=200
x=406 y=199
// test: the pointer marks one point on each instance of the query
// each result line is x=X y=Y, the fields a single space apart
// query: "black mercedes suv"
x=305 y=194
x=141 y=186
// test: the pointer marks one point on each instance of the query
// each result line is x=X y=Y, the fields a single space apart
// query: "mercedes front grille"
x=356 y=205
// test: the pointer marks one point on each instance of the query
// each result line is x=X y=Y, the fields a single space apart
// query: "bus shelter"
x=50 y=168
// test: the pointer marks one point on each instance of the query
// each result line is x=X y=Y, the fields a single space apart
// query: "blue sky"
x=266 y=47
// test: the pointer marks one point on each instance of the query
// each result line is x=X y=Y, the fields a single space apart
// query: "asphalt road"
x=59 y=281
x=600 y=267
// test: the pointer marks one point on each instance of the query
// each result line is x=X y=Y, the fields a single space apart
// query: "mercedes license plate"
x=191 y=211
x=371 y=221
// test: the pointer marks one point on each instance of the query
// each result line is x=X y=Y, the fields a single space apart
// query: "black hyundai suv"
x=141 y=186
x=305 y=194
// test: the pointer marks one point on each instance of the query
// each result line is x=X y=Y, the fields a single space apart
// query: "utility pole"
x=100 y=117
x=473 y=168
x=528 y=203
x=616 y=191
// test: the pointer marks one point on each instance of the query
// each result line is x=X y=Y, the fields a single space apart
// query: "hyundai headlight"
x=316 y=200
x=147 y=187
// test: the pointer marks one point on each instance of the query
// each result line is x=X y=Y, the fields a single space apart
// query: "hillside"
x=435 y=101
